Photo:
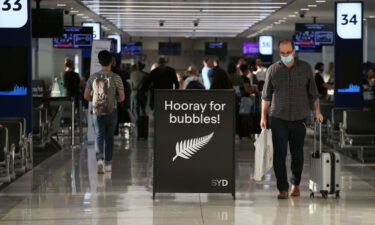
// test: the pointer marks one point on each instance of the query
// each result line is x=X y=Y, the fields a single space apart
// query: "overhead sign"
x=13 y=13
x=96 y=29
x=349 y=20
x=194 y=141
x=265 y=45
x=118 y=38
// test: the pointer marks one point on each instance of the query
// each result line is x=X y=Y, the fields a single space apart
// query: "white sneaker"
x=108 y=168
x=100 y=166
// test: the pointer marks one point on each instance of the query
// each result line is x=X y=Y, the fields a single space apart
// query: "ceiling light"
x=305 y=9
x=185 y=3
x=320 y=1
x=61 y=5
x=371 y=16
x=74 y=11
x=175 y=19
x=295 y=12
x=180 y=7
x=284 y=18
x=102 y=11
x=292 y=15
x=312 y=6
x=81 y=14
x=85 y=17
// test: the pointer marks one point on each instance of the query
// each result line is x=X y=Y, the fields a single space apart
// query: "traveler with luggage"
x=107 y=89
x=289 y=92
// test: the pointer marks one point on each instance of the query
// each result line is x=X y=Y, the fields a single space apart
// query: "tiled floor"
x=65 y=189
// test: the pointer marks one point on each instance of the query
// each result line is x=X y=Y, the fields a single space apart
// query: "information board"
x=194 y=141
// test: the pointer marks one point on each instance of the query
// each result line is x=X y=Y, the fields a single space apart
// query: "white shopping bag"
x=263 y=154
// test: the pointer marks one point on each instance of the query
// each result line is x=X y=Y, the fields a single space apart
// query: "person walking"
x=289 y=90
x=107 y=89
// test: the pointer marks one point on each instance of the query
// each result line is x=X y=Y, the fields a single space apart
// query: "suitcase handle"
x=320 y=139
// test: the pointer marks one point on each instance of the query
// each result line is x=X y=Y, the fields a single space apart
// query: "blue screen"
x=13 y=78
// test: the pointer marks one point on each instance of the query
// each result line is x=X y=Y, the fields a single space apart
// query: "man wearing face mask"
x=289 y=90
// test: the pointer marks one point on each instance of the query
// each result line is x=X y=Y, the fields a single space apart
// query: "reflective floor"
x=65 y=189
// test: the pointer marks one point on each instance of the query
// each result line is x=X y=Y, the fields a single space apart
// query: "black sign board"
x=348 y=54
x=194 y=141
x=15 y=60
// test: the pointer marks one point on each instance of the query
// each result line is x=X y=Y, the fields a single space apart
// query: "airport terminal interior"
x=153 y=112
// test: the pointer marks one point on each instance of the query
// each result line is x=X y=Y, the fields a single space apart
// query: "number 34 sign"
x=13 y=13
x=349 y=20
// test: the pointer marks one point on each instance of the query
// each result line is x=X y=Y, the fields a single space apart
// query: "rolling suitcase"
x=324 y=170
x=142 y=127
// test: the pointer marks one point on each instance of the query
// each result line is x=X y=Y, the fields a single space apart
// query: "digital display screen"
x=350 y=81
x=216 y=48
x=75 y=37
x=132 y=48
x=96 y=26
x=47 y=23
x=14 y=78
x=311 y=37
x=169 y=48
x=117 y=37
x=250 y=48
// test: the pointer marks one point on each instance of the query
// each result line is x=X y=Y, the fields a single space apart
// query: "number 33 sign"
x=13 y=13
x=349 y=20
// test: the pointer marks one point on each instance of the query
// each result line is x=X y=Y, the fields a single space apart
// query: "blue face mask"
x=287 y=59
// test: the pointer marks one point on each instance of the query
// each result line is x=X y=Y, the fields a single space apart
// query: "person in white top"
x=260 y=70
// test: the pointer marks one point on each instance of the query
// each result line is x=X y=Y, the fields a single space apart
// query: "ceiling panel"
x=185 y=18
x=191 y=18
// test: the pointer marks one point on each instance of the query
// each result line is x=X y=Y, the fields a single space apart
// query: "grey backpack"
x=102 y=103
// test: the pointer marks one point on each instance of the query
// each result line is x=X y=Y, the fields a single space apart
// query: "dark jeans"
x=104 y=127
x=283 y=132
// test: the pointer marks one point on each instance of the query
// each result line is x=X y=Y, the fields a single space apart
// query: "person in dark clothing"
x=289 y=91
x=216 y=65
x=220 y=80
x=244 y=70
x=320 y=84
x=71 y=79
x=162 y=77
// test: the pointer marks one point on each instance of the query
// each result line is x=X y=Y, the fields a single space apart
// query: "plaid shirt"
x=290 y=90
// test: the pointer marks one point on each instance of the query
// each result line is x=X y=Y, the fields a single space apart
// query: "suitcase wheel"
x=337 y=194
x=312 y=195
x=324 y=195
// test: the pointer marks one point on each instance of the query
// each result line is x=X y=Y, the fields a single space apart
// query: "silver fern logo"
x=187 y=148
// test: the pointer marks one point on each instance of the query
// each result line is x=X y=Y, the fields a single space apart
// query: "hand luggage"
x=142 y=127
x=263 y=154
x=324 y=170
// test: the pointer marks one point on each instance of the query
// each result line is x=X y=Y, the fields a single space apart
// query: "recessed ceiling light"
x=320 y=1
x=371 y=16
x=305 y=9
x=61 y=5
x=312 y=6
x=295 y=12
x=74 y=11
x=292 y=15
